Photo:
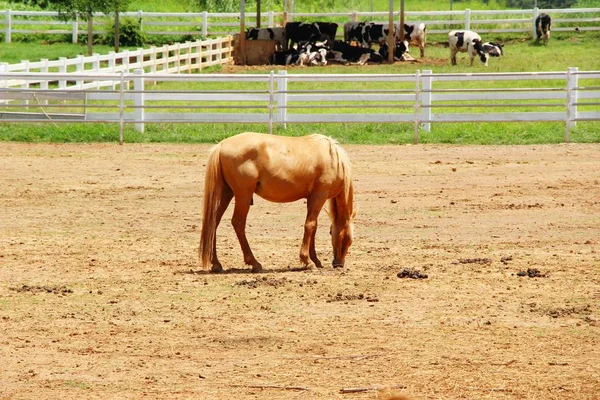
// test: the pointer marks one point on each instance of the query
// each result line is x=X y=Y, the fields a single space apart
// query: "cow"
x=416 y=35
x=400 y=52
x=543 y=23
x=301 y=33
x=276 y=34
x=466 y=41
x=353 y=32
x=306 y=55
x=346 y=53
x=493 y=49
x=376 y=33
x=328 y=31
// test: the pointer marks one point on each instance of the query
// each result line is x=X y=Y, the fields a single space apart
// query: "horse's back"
x=281 y=168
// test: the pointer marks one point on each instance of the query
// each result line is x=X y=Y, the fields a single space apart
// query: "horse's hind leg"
x=226 y=196
x=240 y=213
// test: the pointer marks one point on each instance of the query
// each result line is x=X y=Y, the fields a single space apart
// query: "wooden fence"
x=178 y=58
x=420 y=99
x=204 y=24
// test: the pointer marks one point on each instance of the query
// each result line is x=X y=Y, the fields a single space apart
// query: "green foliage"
x=219 y=5
x=130 y=34
x=525 y=4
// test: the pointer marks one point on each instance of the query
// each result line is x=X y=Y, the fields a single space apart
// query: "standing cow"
x=466 y=41
x=543 y=23
x=416 y=35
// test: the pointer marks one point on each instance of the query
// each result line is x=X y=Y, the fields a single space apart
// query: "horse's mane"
x=342 y=159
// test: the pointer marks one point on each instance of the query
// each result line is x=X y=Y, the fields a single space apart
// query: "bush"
x=130 y=34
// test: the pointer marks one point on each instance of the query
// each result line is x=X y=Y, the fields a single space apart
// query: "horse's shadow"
x=244 y=271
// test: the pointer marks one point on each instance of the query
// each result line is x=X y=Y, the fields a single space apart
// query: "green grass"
x=522 y=55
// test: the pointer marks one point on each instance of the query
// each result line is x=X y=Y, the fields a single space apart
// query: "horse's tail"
x=213 y=187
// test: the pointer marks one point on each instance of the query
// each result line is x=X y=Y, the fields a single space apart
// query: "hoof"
x=336 y=266
x=216 y=269
x=257 y=269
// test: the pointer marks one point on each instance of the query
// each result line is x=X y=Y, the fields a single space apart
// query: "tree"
x=85 y=9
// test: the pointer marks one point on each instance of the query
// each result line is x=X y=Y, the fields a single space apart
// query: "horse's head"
x=342 y=231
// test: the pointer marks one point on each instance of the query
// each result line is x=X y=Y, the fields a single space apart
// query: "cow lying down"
x=308 y=55
x=401 y=52
x=347 y=54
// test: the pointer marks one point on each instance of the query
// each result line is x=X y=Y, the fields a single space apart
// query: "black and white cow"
x=353 y=32
x=307 y=55
x=346 y=53
x=376 y=33
x=328 y=31
x=416 y=34
x=466 y=41
x=400 y=52
x=543 y=23
x=301 y=33
x=276 y=34
x=493 y=49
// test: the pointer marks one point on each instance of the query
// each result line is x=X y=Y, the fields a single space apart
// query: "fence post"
x=138 y=99
x=62 y=68
x=536 y=12
x=199 y=50
x=178 y=57
x=572 y=83
x=96 y=67
x=26 y=84
x=111 y=67
x=426 y=82
x=44 y=83
x=7 y=26
x=282 y=85
x=467 y=19
x=121 y=107
x=75 y=29
x=3 y=83
x=125 y=62
x=271 y=101
x=165 y=52
x=204 y=24
x=79 y=67
x=417 y=110
x=354 y=17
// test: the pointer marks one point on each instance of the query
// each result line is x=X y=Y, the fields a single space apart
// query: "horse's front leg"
x=240 y=213
x=307 y=250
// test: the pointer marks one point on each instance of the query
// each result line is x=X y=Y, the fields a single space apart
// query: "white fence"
x=420 y=99
x=177 y=58
x=206 y=24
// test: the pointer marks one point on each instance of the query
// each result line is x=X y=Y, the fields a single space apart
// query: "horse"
x=282 y=170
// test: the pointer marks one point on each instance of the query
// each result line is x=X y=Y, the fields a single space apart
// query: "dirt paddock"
x=474 y=274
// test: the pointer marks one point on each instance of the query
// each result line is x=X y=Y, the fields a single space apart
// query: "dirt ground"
x=474 y=274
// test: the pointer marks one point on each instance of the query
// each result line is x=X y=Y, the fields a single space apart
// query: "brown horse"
x=279 y=169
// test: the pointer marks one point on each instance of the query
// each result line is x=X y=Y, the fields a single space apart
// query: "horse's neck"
x=344 y=203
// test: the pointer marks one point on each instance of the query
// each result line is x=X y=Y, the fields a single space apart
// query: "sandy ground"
x=101 y=295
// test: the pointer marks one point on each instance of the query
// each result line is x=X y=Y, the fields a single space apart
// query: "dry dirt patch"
x=101 y=295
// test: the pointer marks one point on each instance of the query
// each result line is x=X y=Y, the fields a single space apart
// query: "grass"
x=522 y=55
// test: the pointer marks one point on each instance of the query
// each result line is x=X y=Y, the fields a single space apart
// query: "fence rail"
x=420 y=99
x=207 y=24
